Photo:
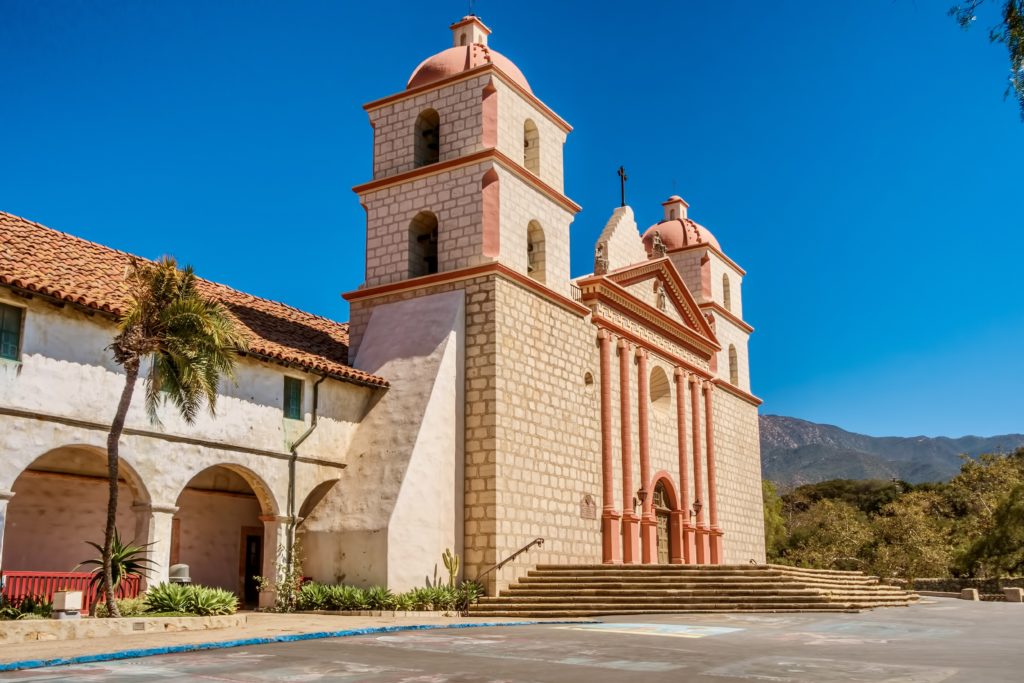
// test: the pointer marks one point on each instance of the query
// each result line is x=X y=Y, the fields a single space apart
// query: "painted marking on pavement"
x=669 y=630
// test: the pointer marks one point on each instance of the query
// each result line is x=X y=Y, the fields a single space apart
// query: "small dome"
x=679 y=232
x=455 y=60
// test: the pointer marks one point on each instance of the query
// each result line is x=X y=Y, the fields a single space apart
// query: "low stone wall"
x=78 y=629
x=412 y=614
x=986 y=587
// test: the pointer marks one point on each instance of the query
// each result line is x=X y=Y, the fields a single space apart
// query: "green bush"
x=314 y=596
x=379 y=597
x=128 y=607
x=405 y=602
x=26 y=607
x=195 y=600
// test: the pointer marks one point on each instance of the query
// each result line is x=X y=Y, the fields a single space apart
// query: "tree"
x=190 y=343
x=774 y=522
x=911 y=537
x=829 y=535
x=1009 y=31
x=1000 y=552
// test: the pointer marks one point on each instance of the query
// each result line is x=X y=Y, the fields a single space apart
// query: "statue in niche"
x=601 y=259
x=659 y=291
x=658 y=248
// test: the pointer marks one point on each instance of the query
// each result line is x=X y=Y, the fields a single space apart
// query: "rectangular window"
x=293 y=398
x=10 y=332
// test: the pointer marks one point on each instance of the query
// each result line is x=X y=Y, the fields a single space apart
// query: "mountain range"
x=795 y=452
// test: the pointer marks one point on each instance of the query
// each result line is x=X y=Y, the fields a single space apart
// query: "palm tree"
x=190 y=342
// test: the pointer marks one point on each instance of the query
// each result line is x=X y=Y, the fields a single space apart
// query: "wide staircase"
x=583 y=590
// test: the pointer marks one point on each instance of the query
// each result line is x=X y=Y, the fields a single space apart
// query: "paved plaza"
x=941 y=640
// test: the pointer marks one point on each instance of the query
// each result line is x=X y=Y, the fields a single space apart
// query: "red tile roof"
x=54 y=264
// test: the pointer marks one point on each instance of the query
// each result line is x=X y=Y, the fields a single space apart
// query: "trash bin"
x=179 y=574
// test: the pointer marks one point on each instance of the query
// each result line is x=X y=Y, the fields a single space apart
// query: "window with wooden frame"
x=292 y=398
x=10 y=332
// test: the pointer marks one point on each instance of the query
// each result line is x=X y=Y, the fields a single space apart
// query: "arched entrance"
x=60 y=502
x=663 y=516
x=669 y=518
x=218 y=529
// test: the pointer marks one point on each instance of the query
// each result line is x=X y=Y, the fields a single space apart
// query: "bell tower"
x=467 y=171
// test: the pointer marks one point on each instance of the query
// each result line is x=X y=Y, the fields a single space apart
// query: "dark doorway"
x=661 y=511
x=252 y=566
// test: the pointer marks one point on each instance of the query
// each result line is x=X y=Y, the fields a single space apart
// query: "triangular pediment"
x=658 y=284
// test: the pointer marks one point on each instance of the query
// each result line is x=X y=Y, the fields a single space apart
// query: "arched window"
x=531 y=147
x=428 y=138
x=734 y=367
x=423 y=244
x=535 y=260
x=726 y=292
x=661 y=398
x=462 y=39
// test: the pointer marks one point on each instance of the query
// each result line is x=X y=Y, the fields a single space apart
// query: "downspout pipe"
x=291 y=522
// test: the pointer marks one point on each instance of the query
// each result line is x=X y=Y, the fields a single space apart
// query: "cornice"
x=717 y=252
x=728 y=315
x=493 y=268
x=634 y=274
x=465 y=76
x=737 y=392
x=610 y=326
x=489 y=154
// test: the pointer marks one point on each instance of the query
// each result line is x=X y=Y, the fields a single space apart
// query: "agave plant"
x=468 y=593
x=405 y=602
x=423 y=598
x=314 y=596
x=354 y=598
x=126 y=559
x=167 y=597
x=380 y=598
x=210 y=602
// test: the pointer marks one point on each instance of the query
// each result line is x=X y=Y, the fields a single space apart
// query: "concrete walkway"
x=259 y=625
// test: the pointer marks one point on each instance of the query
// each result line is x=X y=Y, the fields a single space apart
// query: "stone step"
x=577 y=614
x=673 y=581
x=633 y=593
x=613 y=608
x=670 y=600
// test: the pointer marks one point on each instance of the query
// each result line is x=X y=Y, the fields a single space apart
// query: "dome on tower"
x=469 y=52
x=676 y=230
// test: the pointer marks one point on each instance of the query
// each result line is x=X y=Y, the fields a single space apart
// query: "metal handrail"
x=537 y=541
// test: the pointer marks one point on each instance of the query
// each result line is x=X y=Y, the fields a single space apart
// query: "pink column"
x=648 y=525
x=686 y=543
x=709 y=431
x=701 y=533
x=610 y=530
x=630 y=525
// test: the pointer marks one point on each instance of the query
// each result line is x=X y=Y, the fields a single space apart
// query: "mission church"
x=479 y=398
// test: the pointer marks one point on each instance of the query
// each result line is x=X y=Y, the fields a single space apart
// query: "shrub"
x=379 y=597
x=128 y=607
x=468 y=593
x=353 y=598
x=423 y=598
x=313 y=596
x=405 y=602
x=197 y=600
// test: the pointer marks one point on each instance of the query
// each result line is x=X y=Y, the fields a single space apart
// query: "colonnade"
x=694 y=534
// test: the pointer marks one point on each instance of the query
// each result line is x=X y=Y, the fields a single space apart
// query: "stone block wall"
x=513 y=111
x=738 y=460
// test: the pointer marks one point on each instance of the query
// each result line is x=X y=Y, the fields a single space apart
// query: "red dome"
x=455 y=60
x=680 y=232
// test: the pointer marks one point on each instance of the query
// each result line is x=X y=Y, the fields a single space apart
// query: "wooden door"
x=663 y=520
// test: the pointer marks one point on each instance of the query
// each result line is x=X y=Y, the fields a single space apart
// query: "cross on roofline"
x=622 y=184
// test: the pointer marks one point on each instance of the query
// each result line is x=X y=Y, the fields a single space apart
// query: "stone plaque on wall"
x=588 y=508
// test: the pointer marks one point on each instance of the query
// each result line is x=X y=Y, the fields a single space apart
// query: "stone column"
x=715 y=538
x=153 y=524
x=610 y=517
x=630 y=524
x=701 y=532
x=274 y=528
x=5 y=498
x=648 y=525
x=687 y=549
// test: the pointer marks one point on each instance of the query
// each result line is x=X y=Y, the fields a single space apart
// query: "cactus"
x=451 y=563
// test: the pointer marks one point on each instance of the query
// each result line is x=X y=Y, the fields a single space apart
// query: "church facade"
x=479 y=398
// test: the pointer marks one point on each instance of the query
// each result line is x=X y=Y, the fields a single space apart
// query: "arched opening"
x=660 y=389
x=726 y=292
x=734 y=370
x=462 y=40
x=531 y=147
x=664 y=503
x=218 y=532
x=423 y=244
x=535 y=258
x=59 y=503
x=428 y=138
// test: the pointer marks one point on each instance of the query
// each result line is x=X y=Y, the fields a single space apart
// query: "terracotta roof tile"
x=38 y=259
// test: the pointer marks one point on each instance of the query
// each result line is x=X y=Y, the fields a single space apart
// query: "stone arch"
x=427 y=142
x=531 y=147
x=313 y=498
x=536 y=261
x=734 y=370
x=660 y=390
x=726 y=292
x=423 y=240
x=60 y=502
x=218 y=529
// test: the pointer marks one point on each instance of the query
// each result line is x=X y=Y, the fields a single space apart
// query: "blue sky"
x=857 y=158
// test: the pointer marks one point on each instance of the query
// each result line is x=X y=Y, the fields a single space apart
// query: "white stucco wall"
x=622 y=239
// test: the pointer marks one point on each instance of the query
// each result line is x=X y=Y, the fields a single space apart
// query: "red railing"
x=17 y=585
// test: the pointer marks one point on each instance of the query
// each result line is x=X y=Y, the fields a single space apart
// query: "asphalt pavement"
x=940 y=640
